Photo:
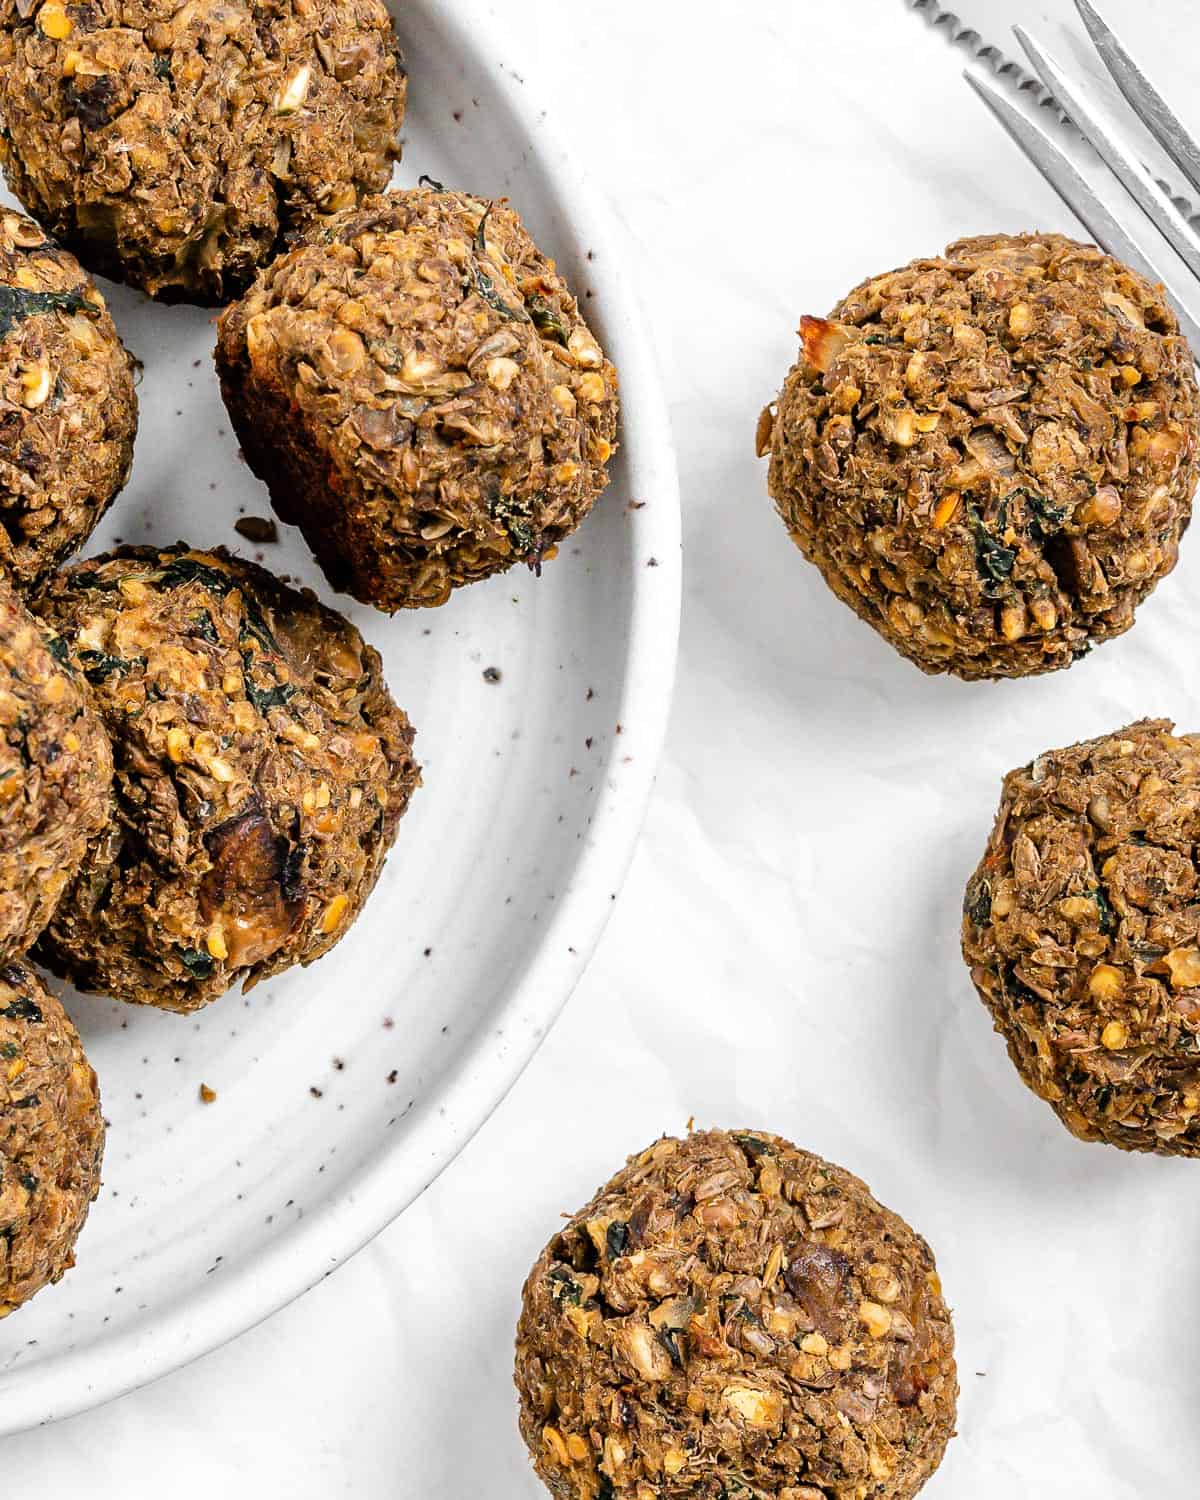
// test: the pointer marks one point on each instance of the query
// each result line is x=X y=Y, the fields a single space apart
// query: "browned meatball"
x=51 y=1138
x=172 y=146
x=68 y=413
x=55 y=776
x=991 y=454
x=1081 y=929
x=417 y=389
x=262 y=769
x=730 y=1313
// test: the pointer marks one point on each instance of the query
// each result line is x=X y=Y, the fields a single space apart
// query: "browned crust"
x=731 y=1313
x=55 y=776
x=174 y=147
x=416 y=386
x=51 y=1137
x=1081 y=929
x=262 y=769
x=991 y=454
x=68 y=411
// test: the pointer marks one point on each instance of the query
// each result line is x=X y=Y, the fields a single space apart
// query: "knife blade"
x=1158 y=32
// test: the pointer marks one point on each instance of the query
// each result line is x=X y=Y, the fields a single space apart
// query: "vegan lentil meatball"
x=991 y=454
x=261 y=769
x=1081 y=929
x=68 y=412
x=417 y=389
x=51 y=1138
x=729 y=1307
x=55 y=776
x=174 y=146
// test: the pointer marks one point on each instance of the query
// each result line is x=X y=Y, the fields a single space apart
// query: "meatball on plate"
x=417 y=388
x=51 y=1137
x=55 y=775
x=68 y=412
x=173 y=146
x=262 y=770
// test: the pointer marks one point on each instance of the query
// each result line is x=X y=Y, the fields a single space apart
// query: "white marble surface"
x=784 y=953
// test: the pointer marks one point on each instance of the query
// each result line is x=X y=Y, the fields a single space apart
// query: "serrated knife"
x=1163 y=34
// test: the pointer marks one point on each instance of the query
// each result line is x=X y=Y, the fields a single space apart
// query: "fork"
x=1110 y=230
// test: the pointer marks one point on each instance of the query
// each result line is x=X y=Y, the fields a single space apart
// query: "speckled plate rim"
x=485 y=1072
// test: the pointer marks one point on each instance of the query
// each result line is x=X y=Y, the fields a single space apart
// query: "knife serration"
x=964 y=35
x=1024 y=85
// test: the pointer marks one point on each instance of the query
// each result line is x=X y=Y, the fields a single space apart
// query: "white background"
x=785 y=952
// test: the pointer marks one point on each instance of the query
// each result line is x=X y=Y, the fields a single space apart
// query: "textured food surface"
x=68 y=412
x=731 y=1316
x=55 y=776
x=261 y=769
x=51 y=1137
x=991 y=454
x=417 y=388
x=1081 y=929
x=173 y=146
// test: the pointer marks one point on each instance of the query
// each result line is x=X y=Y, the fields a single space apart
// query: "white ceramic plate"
x=344 y=1089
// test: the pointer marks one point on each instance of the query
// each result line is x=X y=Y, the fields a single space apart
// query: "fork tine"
x=1117 y=157
x=1060 y=172
x=1148 y=104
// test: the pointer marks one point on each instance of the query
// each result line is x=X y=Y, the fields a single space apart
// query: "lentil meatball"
x=68 y=412
x=51 y=1138
x=417 y=388
x=261 y=771
x=1081 y=929
x=729 y=1307
x=174 y=146
x=991 y=454
x=55 y=776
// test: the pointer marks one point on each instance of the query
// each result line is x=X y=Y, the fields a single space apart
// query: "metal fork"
x=1111 y=232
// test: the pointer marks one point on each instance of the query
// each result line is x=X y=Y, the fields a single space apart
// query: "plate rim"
x=317 y=1245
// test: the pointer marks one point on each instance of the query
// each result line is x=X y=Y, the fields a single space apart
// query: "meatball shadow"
x=97 y=1018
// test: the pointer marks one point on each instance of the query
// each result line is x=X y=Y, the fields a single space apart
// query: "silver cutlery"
x=1147 y=231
